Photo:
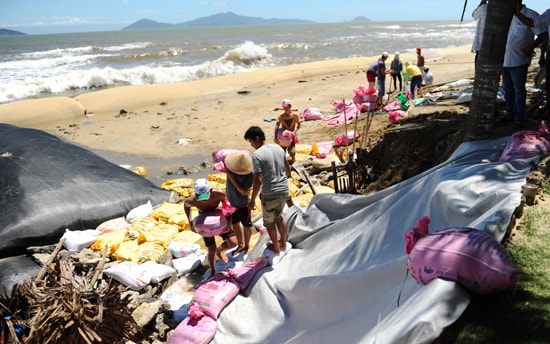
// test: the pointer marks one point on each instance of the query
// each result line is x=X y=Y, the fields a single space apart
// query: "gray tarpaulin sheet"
x=346 y=280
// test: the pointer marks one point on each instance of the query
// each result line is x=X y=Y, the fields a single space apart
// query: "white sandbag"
x=130 y=274
x=139 y=212
x=189 y=263
x=182 y=249
x=77 y=240
x=158 y=272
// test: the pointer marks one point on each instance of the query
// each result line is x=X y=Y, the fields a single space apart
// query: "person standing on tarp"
x=270 y=169
x=239 y=181
x=207 y=201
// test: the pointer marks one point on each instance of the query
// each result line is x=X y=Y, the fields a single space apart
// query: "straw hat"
x=238 y=163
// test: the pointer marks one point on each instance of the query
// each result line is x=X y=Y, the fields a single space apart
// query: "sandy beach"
x=149 y=121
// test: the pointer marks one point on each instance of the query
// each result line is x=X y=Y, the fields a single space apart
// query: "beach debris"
x=65 y=305
x=163 y=103
x=183 y=141
x=243 y=92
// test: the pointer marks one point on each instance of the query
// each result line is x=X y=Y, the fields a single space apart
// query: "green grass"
x=521 y=314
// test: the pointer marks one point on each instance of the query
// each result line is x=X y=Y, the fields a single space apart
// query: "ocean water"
x=36 y=66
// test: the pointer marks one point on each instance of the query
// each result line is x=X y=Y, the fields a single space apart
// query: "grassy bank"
x=522 y=314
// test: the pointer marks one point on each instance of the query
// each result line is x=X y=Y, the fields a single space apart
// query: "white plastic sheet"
x=346 y=280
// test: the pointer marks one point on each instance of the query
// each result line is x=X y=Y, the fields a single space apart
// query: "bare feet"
x=282 y=245
x=241 y=248
x=221 y=256
x=271 y=247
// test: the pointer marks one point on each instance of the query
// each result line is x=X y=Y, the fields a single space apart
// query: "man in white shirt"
x=479 y=14
x=516 y=63
x=542 y=22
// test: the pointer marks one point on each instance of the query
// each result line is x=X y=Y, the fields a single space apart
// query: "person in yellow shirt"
x=414 y=75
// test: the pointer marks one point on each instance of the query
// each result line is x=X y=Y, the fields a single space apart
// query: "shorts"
x=371 y=76
x=272 y=208
x=209 y=241
x=241 y=215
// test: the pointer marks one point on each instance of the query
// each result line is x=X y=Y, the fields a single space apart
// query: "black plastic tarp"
x=48 y=185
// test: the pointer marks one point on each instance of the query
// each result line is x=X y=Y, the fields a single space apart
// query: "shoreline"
x=147 y=121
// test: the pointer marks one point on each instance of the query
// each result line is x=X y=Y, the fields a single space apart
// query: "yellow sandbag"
x=132 y=251
x=140 y=226
x=166 y=210
x=161 y=234
x=181 y=221
x=303 y=200
x=179 y=182
x=189 y=237
x=109 y=239
x=183 y=186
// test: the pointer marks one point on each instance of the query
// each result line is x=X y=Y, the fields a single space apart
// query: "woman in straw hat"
x=239 y=181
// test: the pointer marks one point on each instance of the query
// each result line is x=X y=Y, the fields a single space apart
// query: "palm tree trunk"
x=488 y=68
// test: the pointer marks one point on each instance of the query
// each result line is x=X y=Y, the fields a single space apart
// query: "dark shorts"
x=209 y=241
x=242 y=215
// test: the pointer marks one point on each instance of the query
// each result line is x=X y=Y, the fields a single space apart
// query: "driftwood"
x=68 y=306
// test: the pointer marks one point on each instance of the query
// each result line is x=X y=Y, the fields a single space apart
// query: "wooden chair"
x=346 y=178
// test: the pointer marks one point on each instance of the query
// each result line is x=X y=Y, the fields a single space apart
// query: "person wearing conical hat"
x=239 y=182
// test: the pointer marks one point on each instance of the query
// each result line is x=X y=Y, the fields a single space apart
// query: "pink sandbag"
x=312 y=114
x=199 y=330
x=212 y=296
x=346 y=138
x=360 y=90
x=245 y=274
x=395 y=116
x=219 y=158
x=465 y=255
x=527 y=144
x=395 y=105
x=343 y=106
x=285 y=137
x=211 y=223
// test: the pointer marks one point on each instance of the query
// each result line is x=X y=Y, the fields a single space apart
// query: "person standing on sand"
x=419 y=59
x=396 y=68
x=270 y=169
x=413 y=73
x=377 y=70
x=516 y=64
x=479 y=15
x=291 y=122
x=239 y=181
x=207 y=201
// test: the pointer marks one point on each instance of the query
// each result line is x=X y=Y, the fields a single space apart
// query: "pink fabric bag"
x=461 y=254
x=212 y=296
x=349 y=137
x=395 y=116
x=245 y=274
x=199 y=330
x=285 y=137
x=211 y=224
x=312 y=114
x=219 y=158
x=527 y=144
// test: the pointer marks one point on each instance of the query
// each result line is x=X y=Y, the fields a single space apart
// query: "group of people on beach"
x=266 y=173
x=415 y=76
x=528 y=31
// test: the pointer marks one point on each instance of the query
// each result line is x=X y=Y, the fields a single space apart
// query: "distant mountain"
x=7 y=32
x=220 y=19
x=147 y=24
x=360 y=20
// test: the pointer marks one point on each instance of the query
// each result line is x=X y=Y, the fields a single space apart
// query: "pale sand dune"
x=212 y=113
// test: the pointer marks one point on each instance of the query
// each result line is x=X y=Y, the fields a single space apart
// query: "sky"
x=60 y=16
